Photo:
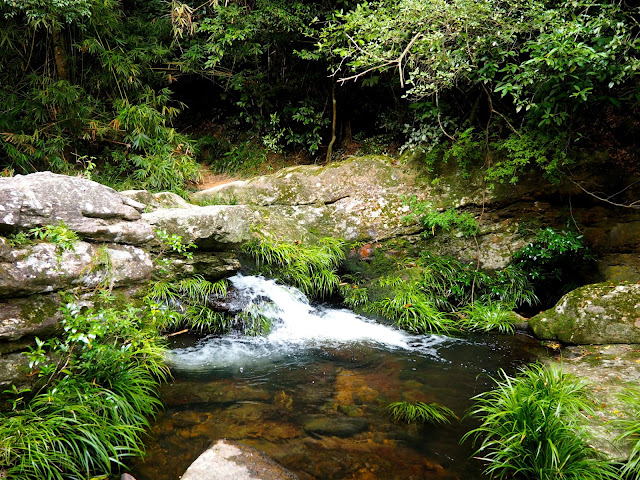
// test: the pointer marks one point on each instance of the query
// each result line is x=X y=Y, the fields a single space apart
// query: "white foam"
x=297 y=325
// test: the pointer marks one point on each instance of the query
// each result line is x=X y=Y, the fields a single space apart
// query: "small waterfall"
x=297 y=326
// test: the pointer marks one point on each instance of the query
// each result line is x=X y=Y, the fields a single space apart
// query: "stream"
x=313 y=394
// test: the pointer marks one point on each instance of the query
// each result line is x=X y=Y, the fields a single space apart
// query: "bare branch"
x=377 y=67
x=404 y=54
x=635 y=205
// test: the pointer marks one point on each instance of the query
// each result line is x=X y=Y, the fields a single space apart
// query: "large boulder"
x=357 y=199
x=95 y=211
x=220 y=227
x=154 y=201
x=601 y=313
x=35 y=315
x=45 y=267
x=228 y=460
x=211 y=265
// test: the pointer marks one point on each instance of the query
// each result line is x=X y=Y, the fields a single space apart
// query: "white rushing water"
x=296 y=325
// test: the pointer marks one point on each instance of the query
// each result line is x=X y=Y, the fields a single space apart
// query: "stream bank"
x=363 y=200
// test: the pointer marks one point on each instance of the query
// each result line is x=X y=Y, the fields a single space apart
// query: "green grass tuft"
x=421 y=412
x=487 y=317
x=531 y=428
x=312 y=269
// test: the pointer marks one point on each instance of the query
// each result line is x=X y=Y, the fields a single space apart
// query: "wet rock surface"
x=226 y=460
x=608 y=369
x=594 y=314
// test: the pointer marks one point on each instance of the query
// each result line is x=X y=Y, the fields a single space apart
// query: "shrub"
x=531 y=428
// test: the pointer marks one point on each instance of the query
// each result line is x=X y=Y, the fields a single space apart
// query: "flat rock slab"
x=233 y=461
x=609 y=369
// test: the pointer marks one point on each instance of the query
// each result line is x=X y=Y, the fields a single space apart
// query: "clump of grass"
x=410 y=309
x=312 y=269
x=353 y=295
x=452 y=284
x=184 y=304
x=487 y=317
x=631 y=432
x=531 y=428
x=421 y=412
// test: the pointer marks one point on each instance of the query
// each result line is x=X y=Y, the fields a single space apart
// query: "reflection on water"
x=315 y=401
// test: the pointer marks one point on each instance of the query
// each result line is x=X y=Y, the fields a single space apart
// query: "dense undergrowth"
x=96 y=390
x=133 y=93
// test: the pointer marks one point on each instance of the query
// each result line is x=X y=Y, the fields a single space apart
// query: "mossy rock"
x=601 y=313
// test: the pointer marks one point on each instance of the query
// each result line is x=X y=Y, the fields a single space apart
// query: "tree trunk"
x=59 y=52
x=333 y=123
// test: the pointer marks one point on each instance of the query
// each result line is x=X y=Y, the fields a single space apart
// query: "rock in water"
x=227 y=460
x=599 y=314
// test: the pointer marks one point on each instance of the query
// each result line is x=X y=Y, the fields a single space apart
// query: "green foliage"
x=444 y=295
x=353 y=295
x=98 y=389
x=631 y=431
x=421 y=412
x=431 y=218
x=173 y=243
x=312 y=269
x=487 y=317
x=59 y=234
x=551 y=261
x=81 y=81
x=551 y=253
x=242 y=159
x=410 y=308
x=550 y=58
x=451 y=283
x=184 y=304
x=531 y=428
x=525 y=151
x=521 y=77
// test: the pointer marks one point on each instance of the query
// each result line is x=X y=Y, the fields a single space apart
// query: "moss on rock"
x=594 y=314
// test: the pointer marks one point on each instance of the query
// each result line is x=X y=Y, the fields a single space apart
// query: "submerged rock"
x=601 y=313
x=93 y=210
x=335 y=425
x=228 y=460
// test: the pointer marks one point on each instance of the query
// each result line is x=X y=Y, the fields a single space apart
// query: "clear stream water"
x=313 y=394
